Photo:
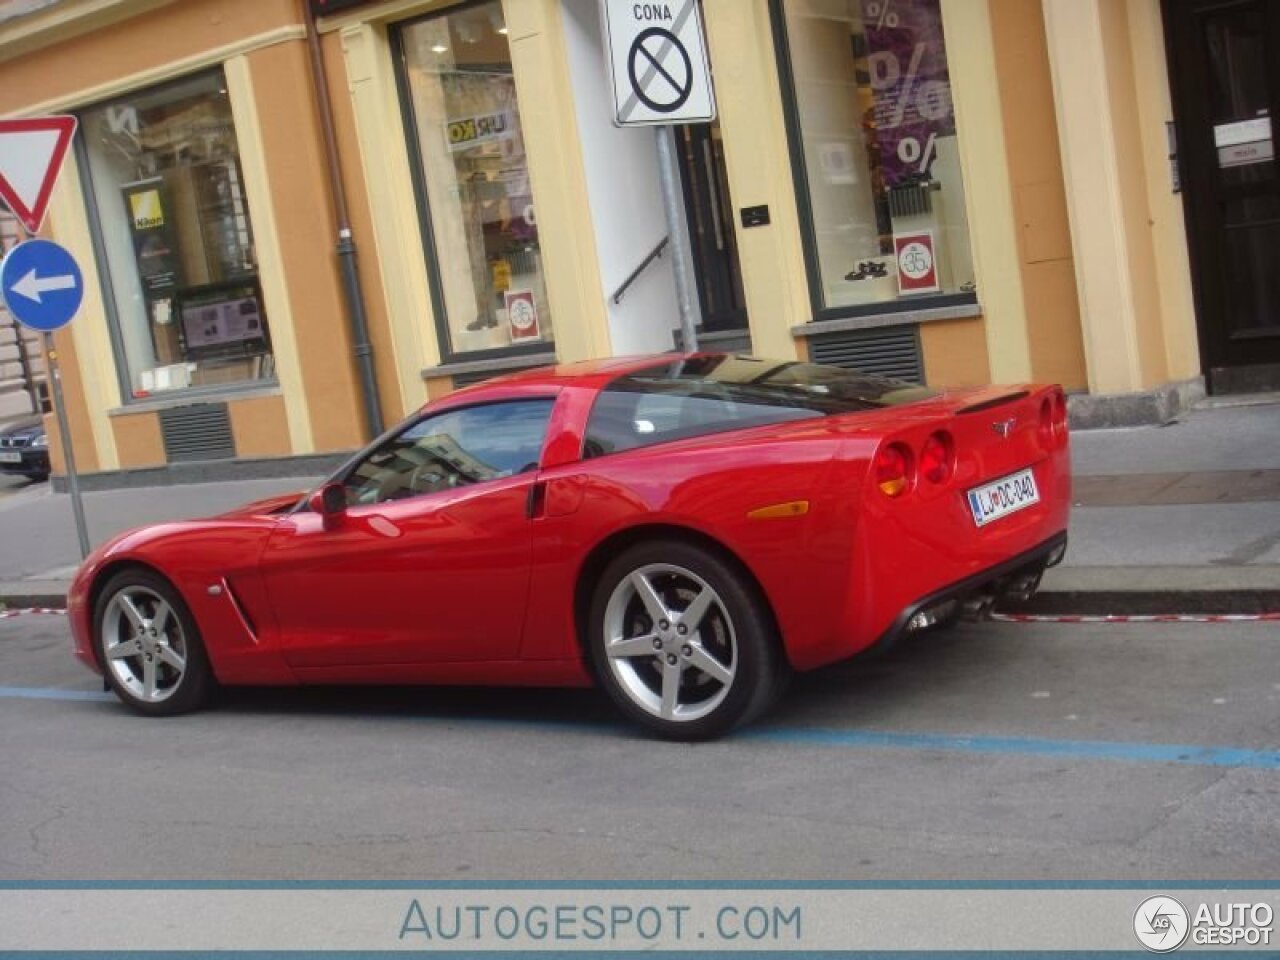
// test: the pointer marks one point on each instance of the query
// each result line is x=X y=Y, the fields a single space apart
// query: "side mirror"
x=330 y=502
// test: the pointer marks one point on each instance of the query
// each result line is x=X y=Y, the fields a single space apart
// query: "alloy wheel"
x=670 y=642
x=144 y=645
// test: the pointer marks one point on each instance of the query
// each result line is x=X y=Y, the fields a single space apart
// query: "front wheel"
x=149 y=646
x=682 y=642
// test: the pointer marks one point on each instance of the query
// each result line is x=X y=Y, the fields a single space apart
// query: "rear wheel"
x=149 y=645
x=682 y=642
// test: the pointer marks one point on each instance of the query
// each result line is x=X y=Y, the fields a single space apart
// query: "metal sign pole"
x=64 y=431
x=673 y=203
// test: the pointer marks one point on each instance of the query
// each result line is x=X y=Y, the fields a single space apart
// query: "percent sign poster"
x=907 y=60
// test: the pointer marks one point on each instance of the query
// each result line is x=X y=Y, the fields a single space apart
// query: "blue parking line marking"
x=1133 y=752
x=852 y=738
x=52 y=693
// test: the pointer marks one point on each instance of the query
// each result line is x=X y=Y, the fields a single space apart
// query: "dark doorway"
x=1224 y=65
x=711 y=235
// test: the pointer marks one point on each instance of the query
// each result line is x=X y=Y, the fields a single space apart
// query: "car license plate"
x=1003 y=497
x=10 y=456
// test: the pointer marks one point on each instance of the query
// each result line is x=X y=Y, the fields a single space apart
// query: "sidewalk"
x=1183 y=518
x=1177 y=519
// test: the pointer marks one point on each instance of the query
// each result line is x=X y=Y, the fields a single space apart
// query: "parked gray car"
x=24 y=449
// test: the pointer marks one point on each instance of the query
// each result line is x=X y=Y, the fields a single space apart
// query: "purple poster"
x=907 y=63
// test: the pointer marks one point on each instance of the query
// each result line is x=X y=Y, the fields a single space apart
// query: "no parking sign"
x=658 y=63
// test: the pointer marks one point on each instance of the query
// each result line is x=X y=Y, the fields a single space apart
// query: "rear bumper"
x=992 y=582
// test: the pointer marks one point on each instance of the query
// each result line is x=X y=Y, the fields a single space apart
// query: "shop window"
x=175 y=239
x=874 y=146
x=472 y=177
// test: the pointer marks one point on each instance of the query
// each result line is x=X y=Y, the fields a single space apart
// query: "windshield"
x=709 y=394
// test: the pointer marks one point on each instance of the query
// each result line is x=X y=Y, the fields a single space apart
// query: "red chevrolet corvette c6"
x=683 y=530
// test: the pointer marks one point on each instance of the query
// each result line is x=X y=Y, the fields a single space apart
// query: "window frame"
x=426 y=226
x=343 y=473
x=102 y=265
x=804 y=204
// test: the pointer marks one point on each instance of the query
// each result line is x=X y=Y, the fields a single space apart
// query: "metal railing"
x=654 y=254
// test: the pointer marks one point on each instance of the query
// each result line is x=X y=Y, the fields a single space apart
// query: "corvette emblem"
x=1004 y=427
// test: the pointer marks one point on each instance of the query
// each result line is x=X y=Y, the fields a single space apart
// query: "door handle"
x=536 y=503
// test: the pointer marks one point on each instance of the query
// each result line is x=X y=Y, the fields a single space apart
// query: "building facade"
x=951 y=191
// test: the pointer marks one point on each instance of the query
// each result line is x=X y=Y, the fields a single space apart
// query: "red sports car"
x=683 y=530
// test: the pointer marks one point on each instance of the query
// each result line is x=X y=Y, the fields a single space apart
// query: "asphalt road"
x=10 y=485
x=996 y=751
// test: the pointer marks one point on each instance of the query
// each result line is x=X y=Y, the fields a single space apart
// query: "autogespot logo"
x=1161 y=924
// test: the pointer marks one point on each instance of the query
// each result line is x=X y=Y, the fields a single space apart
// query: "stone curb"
x=1147 y=602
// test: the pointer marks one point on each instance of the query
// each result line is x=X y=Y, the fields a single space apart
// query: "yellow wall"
x=752 y=125
x=260 y=427
x=138 y=439
x=550 y=126
x=85 y=450
x=82 y=67
x=988 y=185
x=1078 y=244
x=304 y=223
x=955 y=353
x=1164 y=207
x=259 y=45
x=1132 y=184
x=354 y=176
x=1111 y=98
x=1039 y=198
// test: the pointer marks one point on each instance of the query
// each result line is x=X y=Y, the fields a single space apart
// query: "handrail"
x=654 y=254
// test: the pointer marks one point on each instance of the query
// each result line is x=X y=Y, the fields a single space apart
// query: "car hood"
x=264 y=507
x=23 y=429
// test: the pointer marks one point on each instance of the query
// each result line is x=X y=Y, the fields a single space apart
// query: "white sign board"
x=658 y=63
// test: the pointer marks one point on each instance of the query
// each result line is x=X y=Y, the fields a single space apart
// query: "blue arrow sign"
x=41 y=285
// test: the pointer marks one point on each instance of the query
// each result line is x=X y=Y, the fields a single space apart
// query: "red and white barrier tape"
x=6 y=614
x=1136 y=618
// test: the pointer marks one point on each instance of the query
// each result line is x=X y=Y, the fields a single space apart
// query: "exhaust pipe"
x=1021 y=588
x=978 y=607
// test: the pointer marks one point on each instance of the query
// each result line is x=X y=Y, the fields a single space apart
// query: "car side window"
x=453 y=449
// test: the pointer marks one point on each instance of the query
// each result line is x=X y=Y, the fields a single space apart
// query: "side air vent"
x=201 y=431
x=884 y=351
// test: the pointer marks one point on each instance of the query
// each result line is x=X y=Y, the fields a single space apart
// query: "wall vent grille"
x=198 y=432
x=885 y=351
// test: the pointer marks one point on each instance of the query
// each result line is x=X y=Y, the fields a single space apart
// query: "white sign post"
x=40 y=282
x=660 y=76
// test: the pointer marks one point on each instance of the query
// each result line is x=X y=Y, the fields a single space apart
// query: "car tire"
x=682 y=642
x=149 y=646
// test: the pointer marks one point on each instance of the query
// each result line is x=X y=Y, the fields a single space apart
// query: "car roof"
x=592 y=374
x=604 y=369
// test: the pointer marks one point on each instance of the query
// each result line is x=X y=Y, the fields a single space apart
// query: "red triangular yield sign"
x=31 y=154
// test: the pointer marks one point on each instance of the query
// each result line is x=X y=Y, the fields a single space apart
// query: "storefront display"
x=875 y=120
x=175 y=237
x=473 y=178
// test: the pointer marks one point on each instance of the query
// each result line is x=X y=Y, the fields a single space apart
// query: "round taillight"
x=1060 y=417
x=893 y=470
x=937 y=459
x=1045 y=430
